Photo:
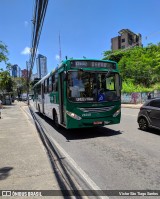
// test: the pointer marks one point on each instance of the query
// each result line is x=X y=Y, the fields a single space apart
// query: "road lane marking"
x=27 y=114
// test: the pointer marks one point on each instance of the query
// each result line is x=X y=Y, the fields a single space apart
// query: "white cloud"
x=26 y=51
x=57 y=57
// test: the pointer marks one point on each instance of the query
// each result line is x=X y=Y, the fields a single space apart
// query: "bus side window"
x=56 y=85
x=38 y=89
x=50 y=85
x=56 y=82
x=45 y=87
x=45 y=84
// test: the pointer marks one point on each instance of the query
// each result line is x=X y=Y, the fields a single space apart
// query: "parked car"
x=24 y=97
x=30 y=96
x=149 y=114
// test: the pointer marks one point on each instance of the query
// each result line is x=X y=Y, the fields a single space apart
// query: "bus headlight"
x=117 y=113
x=73 y=115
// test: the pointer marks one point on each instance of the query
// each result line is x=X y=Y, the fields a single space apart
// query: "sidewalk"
x=24 y=164
x=136 y=106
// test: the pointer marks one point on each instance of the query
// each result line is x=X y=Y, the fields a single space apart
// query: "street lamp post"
x=27 y=83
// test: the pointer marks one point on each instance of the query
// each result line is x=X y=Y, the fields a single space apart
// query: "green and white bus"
x=81 y=93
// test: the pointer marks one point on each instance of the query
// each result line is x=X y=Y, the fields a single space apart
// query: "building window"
x=123 y=40
x=122 y=47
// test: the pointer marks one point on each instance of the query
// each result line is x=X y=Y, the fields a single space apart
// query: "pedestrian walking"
x=149 y=95
x=0 y=108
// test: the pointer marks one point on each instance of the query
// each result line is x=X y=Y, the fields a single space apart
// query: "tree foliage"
x=138 y=65
x=6 y=82
x=3 y=52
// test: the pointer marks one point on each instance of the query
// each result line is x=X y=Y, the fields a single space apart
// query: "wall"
x=137 y=98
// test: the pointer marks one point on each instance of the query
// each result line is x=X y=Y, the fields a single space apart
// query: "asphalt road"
x=114 y=157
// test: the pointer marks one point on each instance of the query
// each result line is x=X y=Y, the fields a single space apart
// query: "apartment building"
x=25 y=73
x=126 y=39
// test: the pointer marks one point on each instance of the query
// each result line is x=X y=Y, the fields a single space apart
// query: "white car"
x=24 y=97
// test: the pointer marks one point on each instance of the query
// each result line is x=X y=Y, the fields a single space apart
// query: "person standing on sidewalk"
x=149 y=95
x=0 y=108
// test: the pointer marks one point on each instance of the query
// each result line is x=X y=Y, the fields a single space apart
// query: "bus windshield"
x=85 y=86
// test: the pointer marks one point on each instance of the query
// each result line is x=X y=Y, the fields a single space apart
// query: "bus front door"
x=61 y=98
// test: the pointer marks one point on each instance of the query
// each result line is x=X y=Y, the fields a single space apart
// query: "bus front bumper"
x=84 y=123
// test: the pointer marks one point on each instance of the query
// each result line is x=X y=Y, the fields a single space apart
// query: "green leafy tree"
x=3 y=52
x=20 y=83
x=6 y=82
x=115 y=56
x=139 y=66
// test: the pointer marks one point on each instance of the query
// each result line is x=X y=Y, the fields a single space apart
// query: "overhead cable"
x=38 y=20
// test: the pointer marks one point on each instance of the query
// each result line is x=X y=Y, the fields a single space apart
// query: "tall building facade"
x=34 y=76
x=126 y=39
x=19 y=73
x=41 y=62
x=16 y=71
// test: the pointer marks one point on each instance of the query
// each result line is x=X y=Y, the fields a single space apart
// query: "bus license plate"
x=97 y=122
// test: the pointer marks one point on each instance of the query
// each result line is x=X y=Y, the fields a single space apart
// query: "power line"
x=38 y=19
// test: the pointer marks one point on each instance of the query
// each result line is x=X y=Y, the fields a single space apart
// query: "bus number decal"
x=86 y=114
x=82 y=99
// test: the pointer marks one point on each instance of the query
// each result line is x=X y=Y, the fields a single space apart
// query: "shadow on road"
x=87 y=133
x=8 y=106
x=153 y=131
x=83 y=133
x=68 y=187
x=4 y=172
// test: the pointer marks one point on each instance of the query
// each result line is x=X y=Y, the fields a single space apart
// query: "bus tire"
x=55 y=119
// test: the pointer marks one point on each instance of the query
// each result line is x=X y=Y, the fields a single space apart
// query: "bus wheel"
x=56 y=119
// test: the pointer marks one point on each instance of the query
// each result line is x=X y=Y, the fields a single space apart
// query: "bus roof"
x=87 y=59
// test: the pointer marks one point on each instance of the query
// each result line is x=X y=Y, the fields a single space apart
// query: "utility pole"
x=27 y=83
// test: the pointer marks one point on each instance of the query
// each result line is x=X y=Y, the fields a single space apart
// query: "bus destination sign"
x=93 y=64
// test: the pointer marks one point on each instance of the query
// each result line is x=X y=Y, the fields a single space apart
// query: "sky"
x=85 y=27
